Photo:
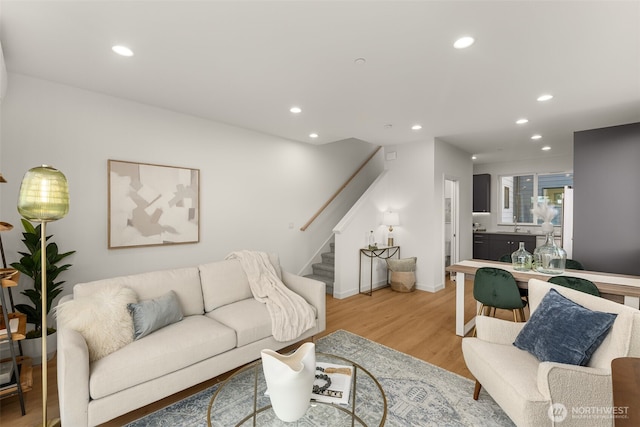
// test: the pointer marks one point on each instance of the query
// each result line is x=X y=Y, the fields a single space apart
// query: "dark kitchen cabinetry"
x=491 y=246
x=480 y=246
x=482 y=192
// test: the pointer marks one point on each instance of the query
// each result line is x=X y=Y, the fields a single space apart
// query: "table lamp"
x=44 y=197
x=390 y=219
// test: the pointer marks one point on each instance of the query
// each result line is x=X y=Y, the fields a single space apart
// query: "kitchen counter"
x=516 y=233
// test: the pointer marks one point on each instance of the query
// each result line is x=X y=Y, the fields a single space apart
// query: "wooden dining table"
x=621 y=288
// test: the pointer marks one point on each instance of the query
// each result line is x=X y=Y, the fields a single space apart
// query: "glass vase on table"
x=521 y=259
x=549 y=258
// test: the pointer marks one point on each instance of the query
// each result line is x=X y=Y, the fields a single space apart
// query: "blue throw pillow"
x=562 y=331
x=151 y=315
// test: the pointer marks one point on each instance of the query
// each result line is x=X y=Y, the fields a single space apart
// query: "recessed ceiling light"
x=536 y=136
x=474 y=157
x=122 y=50
x=545 y=97
x=359 y=61
x=295 y=110
x=546 y=148
x=522 y=121
x=313 y=135
x=463 y=42
x=416 y=127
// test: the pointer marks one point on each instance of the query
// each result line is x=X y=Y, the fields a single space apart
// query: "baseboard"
x=422 y=287
x=351 y=292
x=430 y=288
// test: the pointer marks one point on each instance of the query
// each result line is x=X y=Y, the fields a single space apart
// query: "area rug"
x=418 y=393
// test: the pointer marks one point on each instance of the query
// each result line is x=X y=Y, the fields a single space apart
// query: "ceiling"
x=246 y=63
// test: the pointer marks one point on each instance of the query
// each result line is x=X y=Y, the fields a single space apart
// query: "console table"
x=617 y=287
x=383 y=253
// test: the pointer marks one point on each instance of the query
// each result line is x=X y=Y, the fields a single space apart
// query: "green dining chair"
x=524 y=293
x=577 y=283
x=497 y=288
x=572 y=264
x=505 y=258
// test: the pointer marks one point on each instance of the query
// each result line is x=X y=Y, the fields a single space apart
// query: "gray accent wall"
x=607 y=199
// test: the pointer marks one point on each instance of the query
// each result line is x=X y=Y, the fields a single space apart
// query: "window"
x=519 y=193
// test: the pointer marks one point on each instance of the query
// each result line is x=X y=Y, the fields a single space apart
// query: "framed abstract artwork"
x=152 y=205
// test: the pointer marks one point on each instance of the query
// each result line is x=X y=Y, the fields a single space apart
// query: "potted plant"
x=30 y=265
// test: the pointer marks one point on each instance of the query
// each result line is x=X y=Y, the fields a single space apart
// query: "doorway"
x=450 y=227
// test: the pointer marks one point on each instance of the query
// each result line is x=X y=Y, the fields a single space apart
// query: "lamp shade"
x=44 y=194
x=391 y=219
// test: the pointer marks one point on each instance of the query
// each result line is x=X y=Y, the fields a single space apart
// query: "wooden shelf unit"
x=22 y=376
x=26 y=377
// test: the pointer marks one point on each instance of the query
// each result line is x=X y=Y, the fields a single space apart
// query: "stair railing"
x=337 y=193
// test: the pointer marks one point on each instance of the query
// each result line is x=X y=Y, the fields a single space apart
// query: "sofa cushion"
x=249 y=318
x=153 y=314
x=101 y=318
x=562 y=331
x=225 y=282
x=167 y=350
x=184 y=281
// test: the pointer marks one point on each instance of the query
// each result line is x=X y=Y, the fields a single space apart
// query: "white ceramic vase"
x=290 y=380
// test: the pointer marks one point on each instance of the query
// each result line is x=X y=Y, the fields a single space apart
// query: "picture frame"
x=152 y=205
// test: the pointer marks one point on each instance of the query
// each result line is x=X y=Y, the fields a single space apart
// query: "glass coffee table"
x=241 y=401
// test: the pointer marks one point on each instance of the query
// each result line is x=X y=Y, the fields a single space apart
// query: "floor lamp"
x=44 y=197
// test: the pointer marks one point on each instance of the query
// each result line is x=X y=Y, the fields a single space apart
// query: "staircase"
x=324 y=271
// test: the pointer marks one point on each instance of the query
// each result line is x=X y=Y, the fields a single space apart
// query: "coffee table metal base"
x=241 y=401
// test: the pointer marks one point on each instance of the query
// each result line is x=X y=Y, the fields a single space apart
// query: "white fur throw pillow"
x=102 y=318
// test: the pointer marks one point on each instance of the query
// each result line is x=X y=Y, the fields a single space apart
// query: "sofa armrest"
x=497 y=331
x=313 y=291
x=73 y=377
x=577 y=388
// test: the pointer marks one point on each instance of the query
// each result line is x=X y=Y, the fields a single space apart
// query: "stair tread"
x=318 y=277
x=324 y=266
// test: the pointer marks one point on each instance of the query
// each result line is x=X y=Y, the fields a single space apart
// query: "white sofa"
x=526 y=388
x=223 y=328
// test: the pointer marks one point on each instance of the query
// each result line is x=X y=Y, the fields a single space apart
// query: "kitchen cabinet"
x=480 y=246
x=482 y=192
x=492 y=246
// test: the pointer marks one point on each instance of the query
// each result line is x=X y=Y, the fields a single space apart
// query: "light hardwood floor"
x=417 y=323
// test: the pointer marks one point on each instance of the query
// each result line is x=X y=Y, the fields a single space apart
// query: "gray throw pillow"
x=563 y=331
x=151 y=315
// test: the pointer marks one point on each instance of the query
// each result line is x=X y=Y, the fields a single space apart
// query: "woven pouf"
x=403 y=274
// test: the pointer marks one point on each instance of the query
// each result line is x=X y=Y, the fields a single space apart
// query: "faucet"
x=516 y=227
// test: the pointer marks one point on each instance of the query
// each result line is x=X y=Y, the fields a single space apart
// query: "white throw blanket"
x=291 y=315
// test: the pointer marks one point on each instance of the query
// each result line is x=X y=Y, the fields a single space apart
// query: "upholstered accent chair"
x=538 y=393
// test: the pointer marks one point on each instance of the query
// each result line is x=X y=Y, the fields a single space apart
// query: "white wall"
x=548 y=165
x=252 y=186
x=413 y=185
x=456 y=165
